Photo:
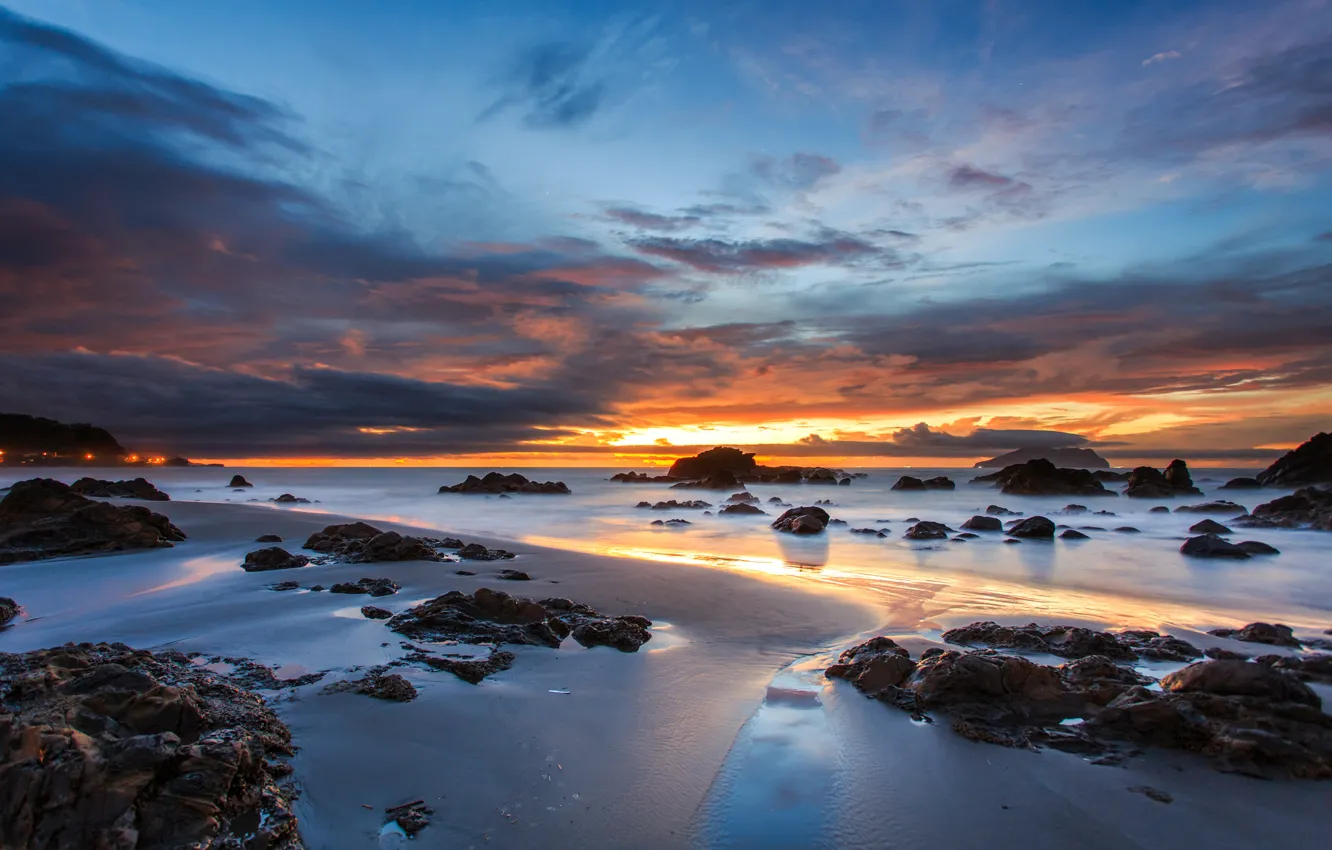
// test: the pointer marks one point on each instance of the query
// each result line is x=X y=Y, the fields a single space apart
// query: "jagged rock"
x=239 y=481
x=498 y=482
x=103 y=746
x=9 y=609
x=670 y=505
x=1212 y=546
x=983 y=523
x=802 y=520
x=742 y=509
x=996 y=510
x=268 y=538
x=1099 y=678
x=1242 y=484
x=1037 y=526
x=1310 y=463
x=640 y=478
x=1311 y=506
x=372 y=586
x=289 y=499
x=477 y=552
x=469 y=669
x=926 y=530
x=1257 y=547
x=362 y=543
x=1159 y=647
x=1222 y=508
x=372 y=612
x=1209 y=526
x=1064 y=641
x=1073 y=534
x=1040 y=477
x=1146 y=482
x=392 y=687
x=1268 y=633
x=272 y=558
x=138 y=488
x=706 y=464
x=873 y=666
x=42 y=518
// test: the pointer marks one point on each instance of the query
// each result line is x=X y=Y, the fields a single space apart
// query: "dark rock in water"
x=742 y=509
x=1311 y=506
x=1317 y=668
x=625 y=633
x=1224 y=654
x=1212 y=546
x=497 y=482
x=1257 y=547
x=372 y=586
x=926 y=530
x=477 y=552
x=996 y=510
x=1146 y=482
x=670 y=505
x=103 y=746
x=802 y=520
x=469 y=669
x=362 y=543
x=873 y=666
x=1159 y=647
x=1242 y=484
x=874 y=531
x=272 y=558
x=706 y=464
x=288 y=499
x=1209 y=526
x=392 y=687
x=941 y=482
x=138 y=488
x=463 y=573
x=640 y=478
x=239 y=481
x=1159 y=509
x=1037 y=526
x=1309 y=463
x=1064 y=641
x=716 y=481
x=1128 y=529
x=827 y=502
x=513 y=575
x=411 y=817
x=372 y=612
x=1011 y=540
x=907 y=482
x=983 y=523
x=268 y=538
x=1090 y=528
x=1099 y=678
x=1268 y=633
x=1075 y=509
x=42 y=518
x=1073 y=534
x=966 y=535
x=9 y=609
x=742 y=498
x=1222 y=508
x=1040 y=477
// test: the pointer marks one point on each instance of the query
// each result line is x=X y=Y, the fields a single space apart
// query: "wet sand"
x=691 y=742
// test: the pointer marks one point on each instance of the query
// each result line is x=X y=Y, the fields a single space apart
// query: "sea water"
x=1127 y=578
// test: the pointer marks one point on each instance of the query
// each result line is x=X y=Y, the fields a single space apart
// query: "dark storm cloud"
x=550 y=84
x=722 y=257
x=653 y=221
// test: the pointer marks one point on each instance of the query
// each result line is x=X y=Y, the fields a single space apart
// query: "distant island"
x=37 y=441
x=1066 y=458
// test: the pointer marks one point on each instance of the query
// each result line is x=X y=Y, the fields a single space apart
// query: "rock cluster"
x=105 y=746
x=477 y=552
x=672 y=505
x=927 y=530
x=289 y=499
x=43 y=518
x=640 y=478
x=372 y=586
x=1145 y=482
x=362 y=543
x=1310 y=463
x=498 y=482
x=138 y=488
x=907 y=482
x=1308 y=506
x=1273 y=634
x=802 y=520
x=1040 y=477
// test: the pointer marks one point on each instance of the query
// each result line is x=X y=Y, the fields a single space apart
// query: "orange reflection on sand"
x=195 y=570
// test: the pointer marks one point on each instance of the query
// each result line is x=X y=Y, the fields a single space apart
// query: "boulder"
x=741 y=509
x=138 y=488
x=1146 y=482
x=362 y=543
x=1221 y=508
x=1268 y=633
x=272 y=558
x=1310 y=463
x=941 y=482
x=722 y=459
x=42 y=518
x=1242 y=484
x=983 y=523
x=997 y=510
x=372 y=612
x=289 y=499
x=1257 y=547
x=1128 y=529
x=926 y=530
x=907 y=482
x=513 y=575
x=1040 y=477
x=1212 y=546
x=1159 y=509
x=1159 y=647
x=372 y=586
x=239 y=481
x=873 y=666
x=1209 y=526
x=1036 y=526
x=498 y=482
x=742 y=498
x=802 y=520
x=268 y=538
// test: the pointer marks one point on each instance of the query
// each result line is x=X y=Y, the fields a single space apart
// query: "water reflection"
x=804 y=550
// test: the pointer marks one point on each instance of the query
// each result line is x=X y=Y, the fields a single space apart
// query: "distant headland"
x=1072 y=458
x=36 y=441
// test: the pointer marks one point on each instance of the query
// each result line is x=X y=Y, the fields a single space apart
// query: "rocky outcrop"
x=1242 y=484
x=103 y=746
x=983 y=523
x=362 y=543
x=1310 y=463
x=802 y=520
x=1309 y=506
x=640 y=478
x=1035 y=527
x=1219 y=508
x=1064 y=641
x=1071 y=458
x=1268 y=633
x=1145 y=482
x=498 y=482
x=1041 y=478
x=477 y=552
x=372 y=586
x=722 y=459
x=138 y=488
x=672 y=505
x=742 y=509
x=239 y=481
x=272 y=558
x=43 y=518
x=1212 y=546
x=716 y=481
x=9 y=609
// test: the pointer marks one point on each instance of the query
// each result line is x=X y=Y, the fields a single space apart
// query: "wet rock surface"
x=1064 y=641
x=378 y=683
x=1309 y=463
x=477 y=552
x=1272 y=634
x=1035 y=527
x=803 y=520
x=1040 y=477
x=103 y=746
x=672 y=504
x=137 y=488
x=983 y=523
x=373 y=586
x=362 y=543
x=42 y=518
x=497 y=482
x=289 y=499
x=272 y=558
x=374 y=612
x=1212 y=546
x=1222 y=507
x=927 y=530
x=410 y=817
x=1309 y=506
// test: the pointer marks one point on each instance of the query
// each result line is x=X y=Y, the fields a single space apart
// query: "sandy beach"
x=720 y=732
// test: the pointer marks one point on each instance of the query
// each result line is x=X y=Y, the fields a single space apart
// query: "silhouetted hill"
x=31 y=435
x=1068 y=458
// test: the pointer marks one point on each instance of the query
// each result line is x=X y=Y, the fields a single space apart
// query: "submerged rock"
x=477 y=552
x=289 y=499
x=742 y=509
x=1212 y=546
x=239 y=481
x=927 y=530
x=1073 y=534
x=372 y=586
x=802 y=520
x=1209 y=526
x=513 y=575
x=103 y=746
x=671 y=505
x=983 y=523
x=268 y=538
x=377 y=684
x=272 y=558
x=9 y=609
x=42 y=518
x=1242 y=484
x=1257 y=547
x=497 y=482
x=138 y=488
x=1222 y=507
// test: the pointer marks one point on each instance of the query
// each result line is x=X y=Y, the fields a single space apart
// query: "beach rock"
x=1211 y=546
x=97 y=750
x=926 y=530
x=1257 y=547
x=709 y=463
x=1037 y=526
x=1040 y=477
x=362 y=543
x=1100 y=679
x=42 y=518
x=873 y=666
x=410 y=817
x=1268 y=633
x=1309 y=667
x=1140 y=715
x=9 y=609
x=1075 y=509
x=907 y=482
x=372 y=586
x=940 y=482
x=670 y=505
x=372 y=612
x=625 y=633
x=1219 y=653
x=391 y=687
x=286 y=585
x=983 y=523
x=996 y=510
x=1064 y=641
x=802 y=520
x=498 y=482
x=268 y=538
x=272 y=558
x=239 y=481
x=1222 y=508
x=1012 y=540
x=1242 y=484
x=513 y=575
x=742 y=498
x=138 y=488
x=477 y=552
x=1159 y=647
x=1209 y=526
x=1073 y=534
x=1311 y=506
x=289 y=499
x=1159 y=509
x=995 y=688
x=471 y=670
x=1309 y=463
x=1146 y=482
x=873 y=531
x=1240 y=678
x=742 y=509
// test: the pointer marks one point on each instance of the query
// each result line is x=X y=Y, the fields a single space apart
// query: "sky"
x=867 y=233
